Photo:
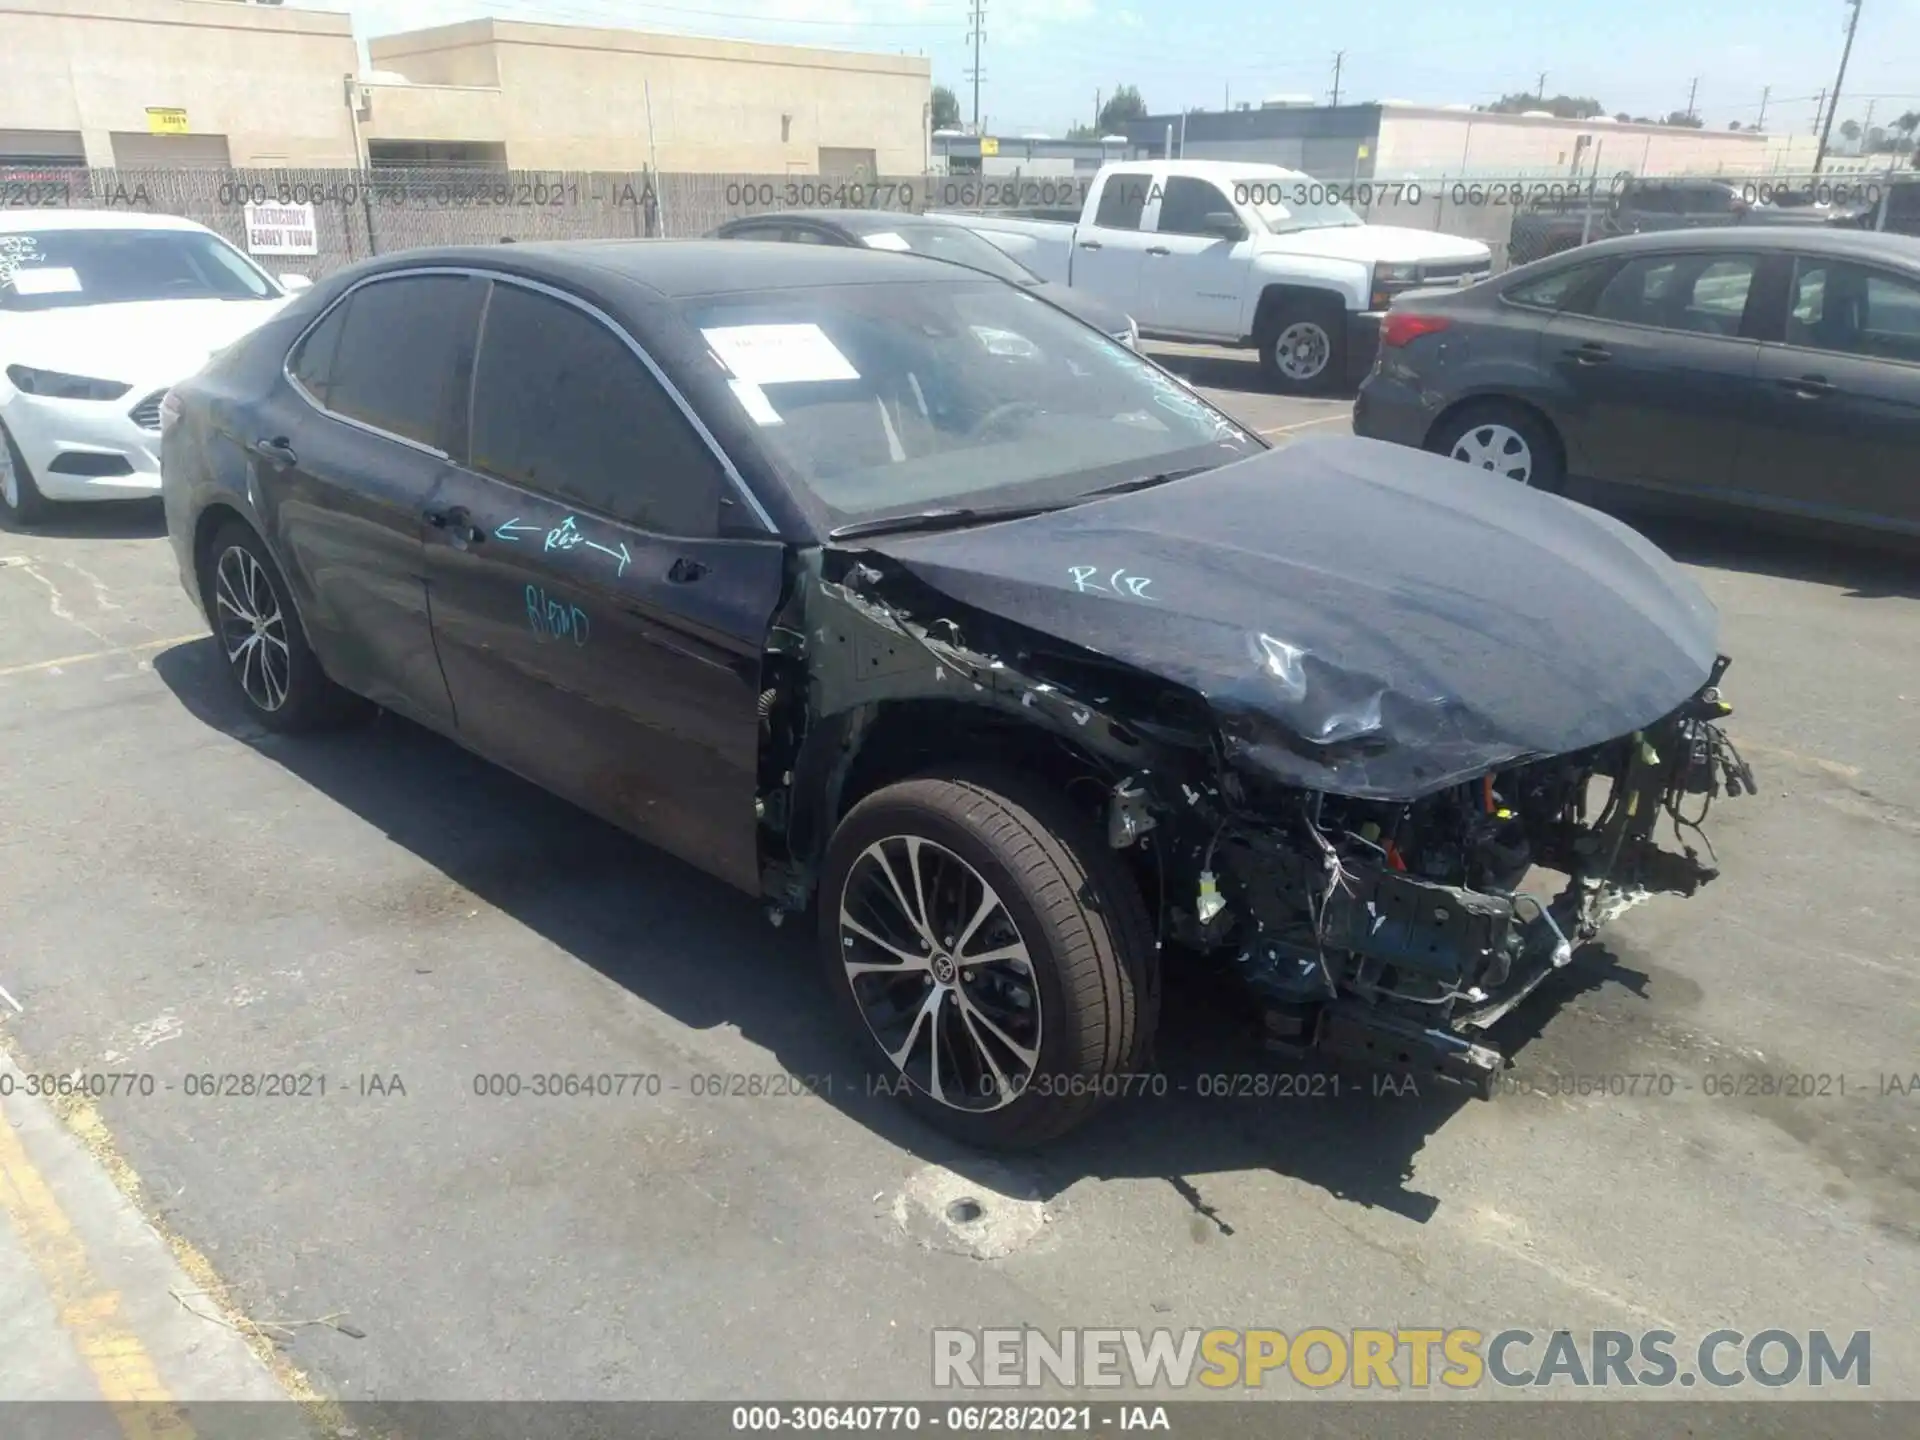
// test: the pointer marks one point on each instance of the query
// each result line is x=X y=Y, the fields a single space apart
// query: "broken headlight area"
x=1395 y=933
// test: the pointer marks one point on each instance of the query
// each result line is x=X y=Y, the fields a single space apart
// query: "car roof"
x=860 y=221
x=677 y=269
x=1901 y=250
x=15 y=221
x=1213 y=169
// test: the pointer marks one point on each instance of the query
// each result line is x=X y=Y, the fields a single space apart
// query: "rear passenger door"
x=1109 y=253
x=601 y=616
x=345 y=463
x=1840 y=436
x=1659 y=372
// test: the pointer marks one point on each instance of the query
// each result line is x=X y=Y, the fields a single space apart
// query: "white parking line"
x=1303 y=424
x=117 y=650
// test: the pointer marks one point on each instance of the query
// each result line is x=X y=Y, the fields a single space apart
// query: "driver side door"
x=1195 y=271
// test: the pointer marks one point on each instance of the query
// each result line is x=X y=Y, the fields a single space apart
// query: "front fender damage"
x=1388 y=930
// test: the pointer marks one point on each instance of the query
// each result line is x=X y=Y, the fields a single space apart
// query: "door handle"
x=1089 y=244
x=1158 y=250
x=277 y=451
x=1807 y=387
x=457 y=522
x=684 y=570
x=1591 y=353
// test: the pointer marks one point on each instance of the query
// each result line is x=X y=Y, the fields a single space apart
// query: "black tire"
x=278 y=662
x=1071 y=903
x=1298 y=333
x=1478 y=425
x=26 y=506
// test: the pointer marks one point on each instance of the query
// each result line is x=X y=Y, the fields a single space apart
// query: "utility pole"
x=1692 y=90
x=1096 y=112
x=1826 y=127
x=1339 y=56
x=976 y=36
x=1761 y=123
x=1866 y=127
x=1819 y=108
x=1541 y=93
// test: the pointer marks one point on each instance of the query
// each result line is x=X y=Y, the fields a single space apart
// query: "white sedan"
x=100 y=312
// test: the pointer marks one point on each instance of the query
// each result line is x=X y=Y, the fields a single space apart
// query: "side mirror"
x=1225 y=224
x=293 y=284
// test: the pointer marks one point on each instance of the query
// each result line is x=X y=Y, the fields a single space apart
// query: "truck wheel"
x=1504 y=438
x=992 y=951
x=1304 y=347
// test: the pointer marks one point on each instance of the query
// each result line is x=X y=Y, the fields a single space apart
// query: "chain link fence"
x=358 y=214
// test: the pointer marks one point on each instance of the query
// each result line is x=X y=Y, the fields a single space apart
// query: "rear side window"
x=312 y=360
x=563 y=408
x=1555 y=291
x=396 y=352
x=1123 y=199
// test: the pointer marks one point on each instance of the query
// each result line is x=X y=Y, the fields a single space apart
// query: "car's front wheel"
x=264 y=649
x=20 y=498
x=992 y=952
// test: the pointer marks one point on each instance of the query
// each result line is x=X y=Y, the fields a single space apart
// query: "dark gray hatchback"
x=1776 y=370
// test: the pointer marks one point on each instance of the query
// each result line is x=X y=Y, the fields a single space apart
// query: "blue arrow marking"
x=621 y=555
x=510 y=530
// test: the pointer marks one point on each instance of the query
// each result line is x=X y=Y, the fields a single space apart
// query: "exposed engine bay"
x=1391 y=933
x=1389 y=784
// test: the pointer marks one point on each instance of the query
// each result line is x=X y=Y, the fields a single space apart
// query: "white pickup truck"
x=1240 y=254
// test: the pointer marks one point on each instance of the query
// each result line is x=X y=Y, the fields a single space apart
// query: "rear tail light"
x=1402 y=328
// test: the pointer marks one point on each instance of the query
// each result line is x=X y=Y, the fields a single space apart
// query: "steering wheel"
x=1001 y=413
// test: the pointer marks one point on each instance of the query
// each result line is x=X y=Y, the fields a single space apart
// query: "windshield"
x=55 y=269
x=893 y=398
x=1293 y=204
x=952 y=242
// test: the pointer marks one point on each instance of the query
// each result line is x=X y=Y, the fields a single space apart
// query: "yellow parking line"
x=118 y=650
x=1276 y=430
x=125 y=1373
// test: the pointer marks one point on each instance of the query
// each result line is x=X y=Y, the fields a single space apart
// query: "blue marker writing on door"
x=621 y=555
x=511 y=530
x=553 y=619
x=564 y=536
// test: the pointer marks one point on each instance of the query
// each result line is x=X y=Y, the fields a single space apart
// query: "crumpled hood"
x=1361 y=617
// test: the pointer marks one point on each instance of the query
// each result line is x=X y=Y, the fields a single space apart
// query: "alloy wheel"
x=252 y=629
x=1499 y=448
x=940 y=973
x=1301 y=350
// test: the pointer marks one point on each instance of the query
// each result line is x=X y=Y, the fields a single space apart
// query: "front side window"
x=66 y=269
x=395 y=354
x=562 y=407
x=884 y=399
x=1187 y=203
x=1853 y=311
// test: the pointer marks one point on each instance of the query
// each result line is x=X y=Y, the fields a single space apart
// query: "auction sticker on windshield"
x=779 y=354
x=47 y=280
x=886 y=240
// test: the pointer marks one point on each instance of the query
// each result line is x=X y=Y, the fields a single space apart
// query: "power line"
x=1853 y=21
x=976 y=36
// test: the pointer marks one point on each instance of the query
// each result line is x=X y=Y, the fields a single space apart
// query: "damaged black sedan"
x=891 y=594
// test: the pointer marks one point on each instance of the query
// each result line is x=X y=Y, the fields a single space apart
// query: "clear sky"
x=1044 y=60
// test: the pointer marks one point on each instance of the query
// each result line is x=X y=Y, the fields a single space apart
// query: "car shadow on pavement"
x=707 y=956
x=1864 y=567
x=1239 y=372
x=98 y=520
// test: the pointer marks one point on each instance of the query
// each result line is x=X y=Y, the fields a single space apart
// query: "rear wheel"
x=995 y=956
x=1504 y=438
x=20 y=498
x=1304 y=346
x=265 y=651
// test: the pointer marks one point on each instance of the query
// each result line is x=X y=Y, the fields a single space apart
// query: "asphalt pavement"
x=184 y=897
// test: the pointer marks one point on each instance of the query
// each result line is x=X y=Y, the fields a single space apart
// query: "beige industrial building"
x=220 y=82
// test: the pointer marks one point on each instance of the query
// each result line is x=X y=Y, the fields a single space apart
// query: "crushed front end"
x=1395 y=933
